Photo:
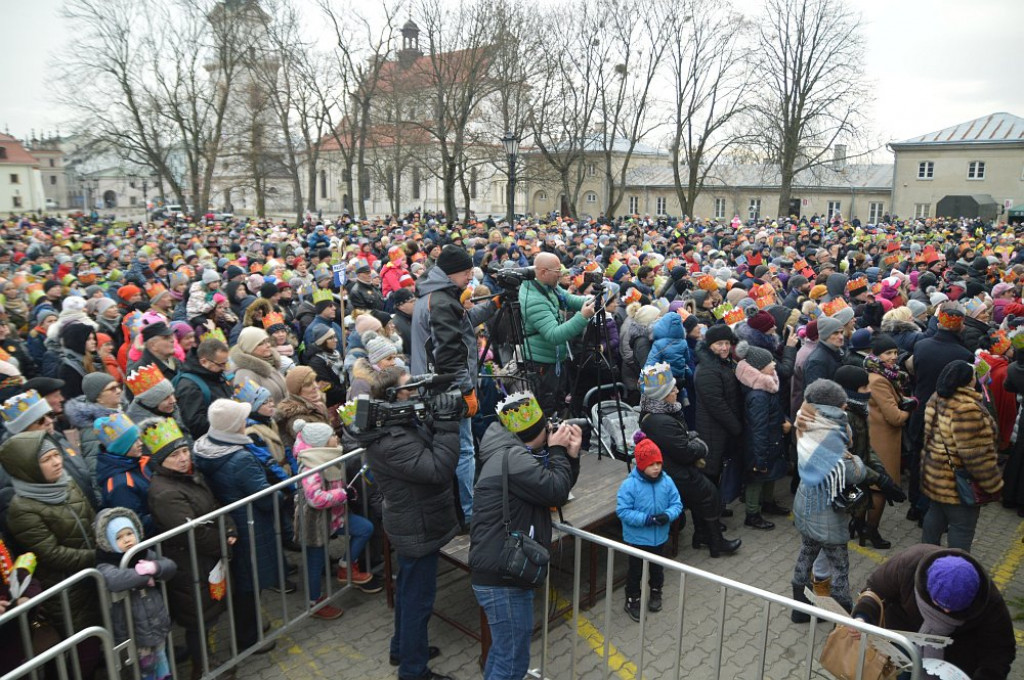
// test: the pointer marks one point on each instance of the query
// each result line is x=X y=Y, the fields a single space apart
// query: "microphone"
x=431 y=380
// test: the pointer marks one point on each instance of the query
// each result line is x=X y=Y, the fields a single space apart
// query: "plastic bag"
x=218 y=580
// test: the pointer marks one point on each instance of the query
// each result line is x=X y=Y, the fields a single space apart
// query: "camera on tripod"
x=431 y=402
x=512 y=277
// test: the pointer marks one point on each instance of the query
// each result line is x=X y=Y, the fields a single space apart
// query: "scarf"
x=899 y=379
x=755 y=379
x=648 y=405
x=312 y=457
x=935 y=622
x=822 y=439
x=336 y=362
x=222 y=437
x=285 y=350
x=54 y=493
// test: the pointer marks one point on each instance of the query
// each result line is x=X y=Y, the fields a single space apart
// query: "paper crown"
x=762 y=290
x=347 y=413
x=655 y=376
x=707 y=282
x=27 y=404
x=271 y=319
x=1000 y=342
x=155 y=290
x=832 y=306
x=1017 y=339
x=144 y=378
x=519 y=412
x=800 y=265
x=721 y=310
x=215 y=334
x=765 y=302
x=4 y=356
x=251 y=393
x=109 y=430
x=856 y=284
x=632 y=295
x=163 y=434
x=323 y=295
x=133 y=322
x=734 y=316
x=1010 y=276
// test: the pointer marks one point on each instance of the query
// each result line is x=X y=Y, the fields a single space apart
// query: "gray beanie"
x=378 y=347
x=825 y=392
x=827 y=325
x=314 y=434
x=94 y=384
x=917 y=308
x=152 y=397
x=324 y=333
x=843 y=316
x=755 y=356
x=210 y=276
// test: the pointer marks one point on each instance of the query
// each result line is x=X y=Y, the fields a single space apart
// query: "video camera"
x=554 y=422
x=510 y=278
x=431 y=401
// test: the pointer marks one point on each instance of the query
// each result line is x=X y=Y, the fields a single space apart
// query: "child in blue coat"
x=648 y=502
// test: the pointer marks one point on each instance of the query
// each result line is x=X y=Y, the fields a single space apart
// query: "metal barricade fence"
x=290 y=614
x=686 y=574
x=24 y=613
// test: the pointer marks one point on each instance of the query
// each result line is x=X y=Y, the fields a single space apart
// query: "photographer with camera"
x=444 y=341
x=547 y=335
x=536 y=466
x=413 y=461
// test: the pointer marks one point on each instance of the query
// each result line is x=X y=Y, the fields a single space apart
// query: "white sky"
x=934 y=63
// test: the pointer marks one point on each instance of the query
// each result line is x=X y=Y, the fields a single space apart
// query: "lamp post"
x=511 y=144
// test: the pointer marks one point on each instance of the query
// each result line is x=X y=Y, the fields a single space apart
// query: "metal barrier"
x=724 y=585
x=23 y=612
x=290 y=615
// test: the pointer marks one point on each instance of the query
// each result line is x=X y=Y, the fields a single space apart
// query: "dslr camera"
x=512 y=277
x=431 y=401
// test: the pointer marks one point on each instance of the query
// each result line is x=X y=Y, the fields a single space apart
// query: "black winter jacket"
x=533 y=489
x=365 y=296
x=823 y=362
x=193 y=404
x=416 y=475
x=719 y=407
x=668 y=430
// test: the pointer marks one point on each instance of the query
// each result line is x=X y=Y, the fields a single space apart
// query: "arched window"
x=591 y=197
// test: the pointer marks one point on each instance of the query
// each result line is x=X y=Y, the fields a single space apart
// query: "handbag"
x=842 y=653
x=523 y=559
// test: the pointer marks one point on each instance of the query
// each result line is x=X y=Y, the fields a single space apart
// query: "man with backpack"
x=200 y=382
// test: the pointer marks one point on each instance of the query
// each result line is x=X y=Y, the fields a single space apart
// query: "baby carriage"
x=613 y=421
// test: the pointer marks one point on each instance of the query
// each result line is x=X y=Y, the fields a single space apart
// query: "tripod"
x=509 y=350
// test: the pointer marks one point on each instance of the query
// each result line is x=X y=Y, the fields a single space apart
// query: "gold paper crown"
x=164 y=433
x=271 y=319
x=215 y=334
x=144 y=378
x=323 y=295
x=519 y=412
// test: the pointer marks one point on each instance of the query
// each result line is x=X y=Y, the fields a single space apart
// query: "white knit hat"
x=228 y=415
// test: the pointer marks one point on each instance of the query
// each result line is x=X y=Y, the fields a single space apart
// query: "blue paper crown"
x=251 y=393
x=116 y=432
x=23 y=409
x=655 y=376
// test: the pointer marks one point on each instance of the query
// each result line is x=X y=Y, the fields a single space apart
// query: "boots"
x=654 y=603
x=797 y=616
x=877 y=542
x=822 y=588
x=633 y=608
x=718 y=544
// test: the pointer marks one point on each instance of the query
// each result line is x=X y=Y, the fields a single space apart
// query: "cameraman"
x=414 y=466
x=542 y=468
x=542 y=302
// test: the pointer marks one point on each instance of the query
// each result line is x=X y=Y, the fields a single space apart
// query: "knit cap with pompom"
x=314 y=434
x=755 y=356
x=646 y=452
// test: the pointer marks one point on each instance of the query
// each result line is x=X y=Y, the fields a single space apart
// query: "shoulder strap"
x=199 y=382
x=505 y=514
x=872 y=595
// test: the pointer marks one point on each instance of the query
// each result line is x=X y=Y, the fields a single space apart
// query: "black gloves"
x=661 y=519
x=447 y=406
x=909 y=404
x=696 y=445
x=892 y=492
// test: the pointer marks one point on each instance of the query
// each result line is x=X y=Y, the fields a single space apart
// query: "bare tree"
x=814 y=88
x=709 y=60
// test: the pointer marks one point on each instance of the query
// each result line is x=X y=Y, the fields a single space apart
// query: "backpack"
x=200 y=383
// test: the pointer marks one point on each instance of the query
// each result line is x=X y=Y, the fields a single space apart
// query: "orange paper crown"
x=765 y=301
x=763 y=290
x=155 y=290
x=1000 y=342
x=271 y=319
x=707 y=282
x=735 y=316
x=144 y=378
x=833 y=306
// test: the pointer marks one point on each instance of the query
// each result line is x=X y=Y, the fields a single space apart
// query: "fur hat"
x=954 y=376
x=825 y=392
x=719 y=332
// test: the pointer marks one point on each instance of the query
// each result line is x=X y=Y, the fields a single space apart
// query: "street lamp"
x=511 y=144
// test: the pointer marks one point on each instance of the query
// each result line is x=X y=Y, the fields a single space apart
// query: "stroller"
x=613 y=421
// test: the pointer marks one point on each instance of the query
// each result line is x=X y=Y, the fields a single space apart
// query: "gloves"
x=449 y=406
x=909 y=404
x=471 y=404
x=649 y=522
x=661 y=519
x=145 y=567
x=696 y=445
x=892 y=492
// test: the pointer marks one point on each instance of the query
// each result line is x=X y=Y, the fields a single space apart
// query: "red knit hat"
x=762 y=321
x=646 y=452
x=127 y=292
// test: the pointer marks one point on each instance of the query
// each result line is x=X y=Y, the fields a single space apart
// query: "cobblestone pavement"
x=356 y=645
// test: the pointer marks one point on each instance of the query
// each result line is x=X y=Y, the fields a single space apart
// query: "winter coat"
x=192 y=401
x=414 y=468
x=547 y=332
x=175 y=498
x=443 y=332
x=533 y=489
x=823 y=362
x=322 y=365
x=670 y=347
x=78 y=468
x=983 y=645
x=1002 y=402
x=668 y=430
x=974 y=330
x=318 y=501
x=366 y=296
x=263 y=373
x=958 y=431
x=14 y=346
x=316 y=327
x=933 y=354
x=634 y=346
x=267 y=435
x=294 y=408
x=81 y=415
x=71 y=372
x=797 y=384
x=60 y=535
x=403 y=324
x=906 y=334
x=233 y=473
x=885 y=423
x=124 y=483
x=641 y=497
x=719 y=415
x=150 y=620
x=762 y=410
x=169 y=368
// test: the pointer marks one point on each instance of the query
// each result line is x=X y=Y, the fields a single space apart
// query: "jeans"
x=960 y=520
x=359 y=530
x=510 y=617
x=466 y=470
x=655 y=573
x=415 y=589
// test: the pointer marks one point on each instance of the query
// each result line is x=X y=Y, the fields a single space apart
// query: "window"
x=323 y=184
x=53 y=180
x=875 y=212
x=659 y=205
x=719 y=208
x=754 y=211
x=976 y=170
x=922 y=209
x=416 y=182
x=833 y=209
x=590 y=197
x=591 y=170
x=472 y=183
x=364 y=182
x=3 y=152
x=634 y=205
x=51 y=162
x=17 y=201
x=15 y=179
x=542 y=195
x=133 y=200
x=925 y=170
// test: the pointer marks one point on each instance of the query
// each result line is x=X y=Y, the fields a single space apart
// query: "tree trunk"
x=311 y=184
x=448 y=181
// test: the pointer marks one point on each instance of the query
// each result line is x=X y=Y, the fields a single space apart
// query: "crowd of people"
x=153 y=373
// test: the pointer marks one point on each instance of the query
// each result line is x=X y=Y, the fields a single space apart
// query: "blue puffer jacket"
x=124 y=483
x=640 y=497
x=670 y=347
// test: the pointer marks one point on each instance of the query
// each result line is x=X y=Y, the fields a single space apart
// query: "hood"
x=192 y=365
x=669 y=326
x=109 y=464
x=206 y=448
x=435 y=280
x=836 y=285
x=104 y=518
x=19 y=456
x=83 y=413
x=980 y=603
x=756 y=338
x=497 y=439
x=895 y=327
x=258 y=306
x=781 y=315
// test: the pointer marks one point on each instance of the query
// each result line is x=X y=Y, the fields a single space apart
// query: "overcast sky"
x=933 y=63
